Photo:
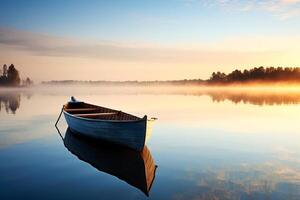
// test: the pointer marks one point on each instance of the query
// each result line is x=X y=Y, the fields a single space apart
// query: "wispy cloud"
x=45 y=45
x=33 y=50
x=283 y=9
x=48 y=45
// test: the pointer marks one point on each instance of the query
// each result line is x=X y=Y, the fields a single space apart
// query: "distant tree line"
x=259 y=74
x=129 y=83
x=11 y=77
x=270 y=74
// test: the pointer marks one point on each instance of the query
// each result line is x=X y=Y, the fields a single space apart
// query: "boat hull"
x=132 y=134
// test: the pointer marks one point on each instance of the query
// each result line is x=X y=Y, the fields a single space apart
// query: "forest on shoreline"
x=10 y=77
x=256 y=75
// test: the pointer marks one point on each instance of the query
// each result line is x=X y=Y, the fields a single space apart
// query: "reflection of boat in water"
x=136 y=168
x=108 y=124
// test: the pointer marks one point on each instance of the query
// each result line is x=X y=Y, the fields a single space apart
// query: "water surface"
x=207 y=144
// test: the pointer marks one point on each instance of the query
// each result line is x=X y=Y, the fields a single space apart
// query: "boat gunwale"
x=104 y=120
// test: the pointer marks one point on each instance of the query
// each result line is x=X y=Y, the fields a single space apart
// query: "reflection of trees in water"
x=10 y=102
x=256 y=98
x=247 y=97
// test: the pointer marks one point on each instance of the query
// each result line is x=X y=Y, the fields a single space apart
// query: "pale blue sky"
x=159 y=21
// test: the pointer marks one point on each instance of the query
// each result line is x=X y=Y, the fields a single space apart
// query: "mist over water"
x=208 y=143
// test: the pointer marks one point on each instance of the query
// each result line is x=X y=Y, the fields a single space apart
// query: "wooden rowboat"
x=108 y=124
x=135 y=168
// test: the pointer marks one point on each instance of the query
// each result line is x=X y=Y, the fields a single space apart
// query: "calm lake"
x=207 y=144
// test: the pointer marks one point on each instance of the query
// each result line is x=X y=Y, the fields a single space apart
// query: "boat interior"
x=84 y=110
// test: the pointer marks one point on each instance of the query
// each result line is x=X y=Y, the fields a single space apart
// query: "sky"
x=146 y=39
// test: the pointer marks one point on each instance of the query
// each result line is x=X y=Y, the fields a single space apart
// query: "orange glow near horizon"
x=82 y=60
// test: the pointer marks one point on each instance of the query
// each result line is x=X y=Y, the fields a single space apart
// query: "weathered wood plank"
x=94 y=114
x=80 y=109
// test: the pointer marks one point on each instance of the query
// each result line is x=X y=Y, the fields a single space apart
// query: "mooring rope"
x=58 y=121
